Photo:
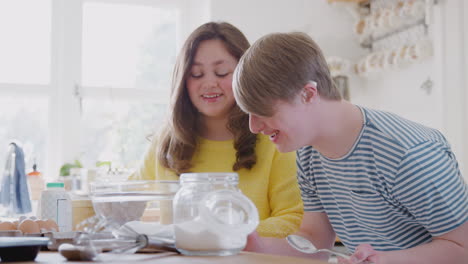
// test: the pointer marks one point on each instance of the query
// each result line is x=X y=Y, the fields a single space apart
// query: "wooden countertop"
x=172 y=258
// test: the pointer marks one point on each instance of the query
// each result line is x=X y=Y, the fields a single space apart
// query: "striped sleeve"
x=431 y=187
x=308 y=188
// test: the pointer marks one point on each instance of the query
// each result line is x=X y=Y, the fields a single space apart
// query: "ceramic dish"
x=21 y=248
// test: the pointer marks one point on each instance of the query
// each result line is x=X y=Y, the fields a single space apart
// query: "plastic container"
x=211 y=215
x=57 y=205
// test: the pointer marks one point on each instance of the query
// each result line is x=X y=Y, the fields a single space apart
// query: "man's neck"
x=342 y=123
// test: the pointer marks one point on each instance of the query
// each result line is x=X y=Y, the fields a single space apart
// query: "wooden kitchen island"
x=172 y=258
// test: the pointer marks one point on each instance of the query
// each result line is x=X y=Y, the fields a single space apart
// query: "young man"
x=389 y=188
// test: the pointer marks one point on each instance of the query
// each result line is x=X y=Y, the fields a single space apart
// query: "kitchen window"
x=25 y=59
x=85 y=79
x=126 y=58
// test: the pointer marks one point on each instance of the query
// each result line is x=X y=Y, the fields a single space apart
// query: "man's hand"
x=321 y=232
x=364 y=253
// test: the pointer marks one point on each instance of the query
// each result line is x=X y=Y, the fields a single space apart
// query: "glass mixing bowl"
x=118 y=203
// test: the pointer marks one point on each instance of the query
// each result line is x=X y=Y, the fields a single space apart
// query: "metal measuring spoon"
x=305 y=246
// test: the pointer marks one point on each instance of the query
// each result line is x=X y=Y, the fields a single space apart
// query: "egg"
x=43 y=226
x=16 y=223
x=28 y=226
x=51 y=225
x=5 y=226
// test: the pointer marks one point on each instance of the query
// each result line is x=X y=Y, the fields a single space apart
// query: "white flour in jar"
x=197 y=235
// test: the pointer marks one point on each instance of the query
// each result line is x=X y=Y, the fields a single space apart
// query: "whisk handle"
x=157 y=243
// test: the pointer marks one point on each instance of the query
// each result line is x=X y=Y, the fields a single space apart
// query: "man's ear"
x=309 y=92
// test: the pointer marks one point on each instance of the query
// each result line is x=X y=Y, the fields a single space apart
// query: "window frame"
x=71 y=92
x=64 y=91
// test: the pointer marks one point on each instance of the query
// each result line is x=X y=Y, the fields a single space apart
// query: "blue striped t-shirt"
x=397 y=187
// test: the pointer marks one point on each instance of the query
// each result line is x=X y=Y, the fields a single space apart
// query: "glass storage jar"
x=211 y=215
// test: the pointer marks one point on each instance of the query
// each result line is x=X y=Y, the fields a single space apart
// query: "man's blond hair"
x=277 y=67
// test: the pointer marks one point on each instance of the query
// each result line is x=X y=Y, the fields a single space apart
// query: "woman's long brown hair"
x=177 y=141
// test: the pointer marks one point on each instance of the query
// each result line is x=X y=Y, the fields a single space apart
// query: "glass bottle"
x=36 y=183
x=211 y=215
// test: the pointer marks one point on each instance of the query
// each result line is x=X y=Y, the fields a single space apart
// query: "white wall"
x=193 y=14
x=454 y=53
x=400 y=92
x=444 y=107
x=464 y=119
x=397 y=91
x=330 y=27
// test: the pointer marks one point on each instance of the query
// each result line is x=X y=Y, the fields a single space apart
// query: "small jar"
x=211 y=215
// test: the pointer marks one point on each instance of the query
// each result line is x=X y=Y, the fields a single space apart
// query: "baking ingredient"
x=29 y=226
x=118 y=210
x=47 y=225
x=197 y=235
x=42 y=225
x=211 y=216
x=6 y=226
x=51 y=225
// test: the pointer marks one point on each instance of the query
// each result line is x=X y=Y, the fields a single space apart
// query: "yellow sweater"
x=271 y=184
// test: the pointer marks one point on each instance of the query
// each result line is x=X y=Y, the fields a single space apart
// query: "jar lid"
x=210 y=177
x=55 y=185
x=229 y=211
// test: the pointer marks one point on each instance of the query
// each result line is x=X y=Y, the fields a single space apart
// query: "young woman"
x=207 y=132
